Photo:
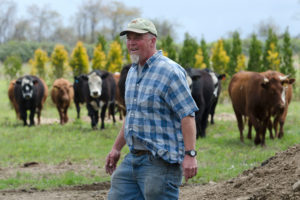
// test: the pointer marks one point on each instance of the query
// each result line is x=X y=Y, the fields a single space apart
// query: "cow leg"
x=66 y=118
x=24 y=116
x=77 y=110
x=31 y=116
x=112 y=110
x=60 y=115
x=263 y=133
x=270 y=127
x=204 y=120
x=212 y=111
x=257 y=127
x=239 y=119
x=249 y=129
x=103 y=110
x=93 y=115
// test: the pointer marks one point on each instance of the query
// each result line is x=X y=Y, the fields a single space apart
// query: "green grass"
x=221 y=155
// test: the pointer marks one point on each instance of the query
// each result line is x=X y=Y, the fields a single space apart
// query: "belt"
x=140 y=152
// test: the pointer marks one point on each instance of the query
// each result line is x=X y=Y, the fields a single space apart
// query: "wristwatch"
x=191 y=153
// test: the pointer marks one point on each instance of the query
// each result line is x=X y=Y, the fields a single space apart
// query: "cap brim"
x=133 y=30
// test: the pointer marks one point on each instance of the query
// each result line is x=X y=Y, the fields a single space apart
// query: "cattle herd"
x=256 y=98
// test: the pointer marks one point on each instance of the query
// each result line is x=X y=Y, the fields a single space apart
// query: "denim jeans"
x=145 y=177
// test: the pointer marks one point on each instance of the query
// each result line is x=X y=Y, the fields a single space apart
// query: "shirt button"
x=134 y=99
x=130 y=129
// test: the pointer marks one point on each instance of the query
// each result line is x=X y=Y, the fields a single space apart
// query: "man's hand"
x=189 y=166
x=111 y=161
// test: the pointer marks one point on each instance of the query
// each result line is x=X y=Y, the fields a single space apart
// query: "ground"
x=278 y=178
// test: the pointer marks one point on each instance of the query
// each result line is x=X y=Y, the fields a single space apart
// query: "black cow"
x=121 y=84
x=202 y=89
x=97 y=90
x=217 y=90
x=30 y=95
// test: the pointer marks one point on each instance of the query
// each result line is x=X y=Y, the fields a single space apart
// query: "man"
x=159 y=128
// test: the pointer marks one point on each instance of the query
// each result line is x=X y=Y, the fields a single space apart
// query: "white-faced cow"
x=97 y=90
x=202 y=89
x=217 y=78
x=62 y=94
x=279 y=115
x=30 y=93
x=254 y=96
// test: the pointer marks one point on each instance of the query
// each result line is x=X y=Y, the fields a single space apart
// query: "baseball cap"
x=140 y=25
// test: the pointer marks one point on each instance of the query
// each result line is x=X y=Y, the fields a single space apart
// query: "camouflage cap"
x=140 y=25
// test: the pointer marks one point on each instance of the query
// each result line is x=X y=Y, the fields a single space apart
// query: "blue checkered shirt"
x=156 y=101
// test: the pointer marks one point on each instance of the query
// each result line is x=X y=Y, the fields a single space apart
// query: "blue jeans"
x=145 y=177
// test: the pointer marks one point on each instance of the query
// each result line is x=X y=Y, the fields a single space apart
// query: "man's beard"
x=134 y=58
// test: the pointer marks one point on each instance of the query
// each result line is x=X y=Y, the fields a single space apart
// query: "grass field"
x=221 y=155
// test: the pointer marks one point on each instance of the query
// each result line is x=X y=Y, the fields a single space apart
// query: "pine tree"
x=59 y=59
x=79 y=61
x=273 y=58
x=255 y=54
x=219 y=58
x=287 y=57
x=236 y=50
x=203 y=47
x=188 y=51
x=99 y=58
x=102 y=41
x=169 y=47
x=272 y=39
x=199 y=60
x=114 y=58
x=39 y=63
x=241 y=63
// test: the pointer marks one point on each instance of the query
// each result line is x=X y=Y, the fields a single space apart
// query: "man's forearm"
x=189 y=132
x=120 y=141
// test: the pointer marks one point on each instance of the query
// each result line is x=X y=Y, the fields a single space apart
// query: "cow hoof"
x=95 y=128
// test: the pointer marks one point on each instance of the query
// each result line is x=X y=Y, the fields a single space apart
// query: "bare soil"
x=278 y=178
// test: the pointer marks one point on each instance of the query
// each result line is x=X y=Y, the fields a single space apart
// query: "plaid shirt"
x=156 y=101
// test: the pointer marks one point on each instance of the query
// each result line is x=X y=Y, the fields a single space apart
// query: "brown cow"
x=253 y=96
x=62 y=94
x=119 y=100
x=279 y=115
x=12 y=99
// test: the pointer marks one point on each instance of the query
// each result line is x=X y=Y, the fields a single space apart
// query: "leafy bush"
x=13 y=67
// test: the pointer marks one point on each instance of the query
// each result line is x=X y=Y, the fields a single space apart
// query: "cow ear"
x=84 y=77
x=292 y=80
x=35 y=82
x=195 y=77
x=104 y=75
x=222 y=77
x=18 y=82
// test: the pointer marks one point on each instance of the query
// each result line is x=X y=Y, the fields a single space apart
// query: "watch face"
x=193 y=153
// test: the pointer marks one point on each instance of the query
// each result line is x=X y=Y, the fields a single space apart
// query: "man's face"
x=139 y=46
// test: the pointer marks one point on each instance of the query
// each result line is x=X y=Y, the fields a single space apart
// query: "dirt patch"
x=278 y=178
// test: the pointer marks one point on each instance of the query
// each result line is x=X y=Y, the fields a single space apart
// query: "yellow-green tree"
x=59 y=59
x=79 y=61
x=199 y=63
x=241 y=63
x=273 y=58
x=219 y=58
x=114 y=60
x=39 y=63
x=99 y=59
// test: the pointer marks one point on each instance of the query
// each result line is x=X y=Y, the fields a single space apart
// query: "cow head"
x=27 y=85
x=95 y=84
x=64 y=91
x=276 y=90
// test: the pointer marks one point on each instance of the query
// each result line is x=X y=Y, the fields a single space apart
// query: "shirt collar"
x=156 y=55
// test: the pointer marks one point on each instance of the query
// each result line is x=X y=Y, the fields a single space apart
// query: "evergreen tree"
x=287 y=57
x=188 y=51
x=255 y=53
x=102 y=41
x=99 y=58
x=13 y=67
x=169 y=47
x=59 y=59
x=199 y=60
x=241 y=63
x=273 y=58
x=272 y=39
x=219 y=58
x=205 y=55
x=79 y=61
x=236 y=50
x=114 y=58
x=39 y=63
